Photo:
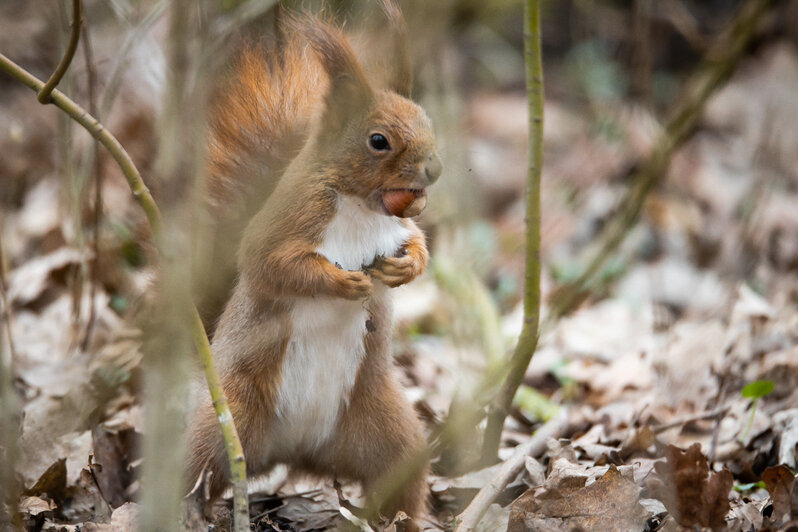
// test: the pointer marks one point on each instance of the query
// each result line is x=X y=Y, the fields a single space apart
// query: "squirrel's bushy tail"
x=260 y=120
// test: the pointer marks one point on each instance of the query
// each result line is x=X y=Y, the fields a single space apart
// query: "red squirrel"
x=303 y=344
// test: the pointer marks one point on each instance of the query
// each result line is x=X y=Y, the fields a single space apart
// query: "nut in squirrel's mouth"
x=404 y=202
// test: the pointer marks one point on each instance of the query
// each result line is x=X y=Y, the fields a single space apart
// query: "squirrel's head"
x=392 y=156
x=380 y=142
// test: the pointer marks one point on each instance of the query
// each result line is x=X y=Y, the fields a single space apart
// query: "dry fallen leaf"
x=608 y=504
x=113 y=454
x=52 y=482
x=473 y=480
x=29 y=281
x=31 y=506
x=122 y=520
x=692 y=495
x=495 y=519
x=780 y=483
x=309 y=504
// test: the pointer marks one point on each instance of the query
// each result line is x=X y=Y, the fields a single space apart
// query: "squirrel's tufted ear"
x=350 y=94
x=400 y=71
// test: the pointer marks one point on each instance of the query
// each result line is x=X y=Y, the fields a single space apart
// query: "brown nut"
x=404 y=202
x=415 y=208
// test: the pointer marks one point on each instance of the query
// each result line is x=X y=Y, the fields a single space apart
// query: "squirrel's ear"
x=400 y=71
x=350 y=93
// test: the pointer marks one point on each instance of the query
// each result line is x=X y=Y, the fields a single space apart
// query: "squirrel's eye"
x=379 y=142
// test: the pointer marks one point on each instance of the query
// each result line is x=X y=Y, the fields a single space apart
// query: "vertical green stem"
x=9 y=418
x=528 y=339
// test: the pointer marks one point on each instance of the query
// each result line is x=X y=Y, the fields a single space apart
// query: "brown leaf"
x=52 y=482
x=692 y=495
x=28 y=282
x=30 y=506
x=113 y=451
x=638 y=442
x=473 y=480
x=609 y=504
x=122 y=520
x=780 y=483
x=310 y=504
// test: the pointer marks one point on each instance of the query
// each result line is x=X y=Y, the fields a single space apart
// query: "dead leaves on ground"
x=783 y=488
x=693 y=495
x=609 y=503
x=652 y=369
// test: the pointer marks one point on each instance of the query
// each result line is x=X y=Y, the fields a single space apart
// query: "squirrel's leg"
x=379 y=436
x=379 y=440
x=206 y=450
x=409 y=264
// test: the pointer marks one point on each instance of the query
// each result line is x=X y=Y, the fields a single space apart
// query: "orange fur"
x=299 y=122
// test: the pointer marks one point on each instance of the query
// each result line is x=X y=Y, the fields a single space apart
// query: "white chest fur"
x=326 y=346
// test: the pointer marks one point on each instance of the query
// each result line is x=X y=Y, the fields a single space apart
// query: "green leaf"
x=534 y=404
x=750 y=486
x=757 y=389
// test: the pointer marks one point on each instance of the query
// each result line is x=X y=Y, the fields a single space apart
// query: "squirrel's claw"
x=355 y=285
x=395 y=271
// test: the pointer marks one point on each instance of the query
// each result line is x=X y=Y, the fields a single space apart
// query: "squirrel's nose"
x=433 y=168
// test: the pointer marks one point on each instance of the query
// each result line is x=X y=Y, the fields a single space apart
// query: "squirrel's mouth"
x=404 y=202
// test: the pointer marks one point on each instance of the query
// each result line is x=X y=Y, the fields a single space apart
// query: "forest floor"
x=677 y=376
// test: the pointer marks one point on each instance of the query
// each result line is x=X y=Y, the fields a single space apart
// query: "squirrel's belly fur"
x=326 y=346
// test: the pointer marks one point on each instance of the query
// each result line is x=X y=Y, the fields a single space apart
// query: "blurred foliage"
x=534 y=405
x=594 y=73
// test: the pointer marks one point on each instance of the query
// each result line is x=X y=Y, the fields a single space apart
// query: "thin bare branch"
x=66 y=60
x=121 y=59
x=7 y=313
x=140 y=191
x=91 y=75
x=9 y=420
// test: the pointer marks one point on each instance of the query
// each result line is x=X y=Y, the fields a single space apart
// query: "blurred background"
x=697 y=301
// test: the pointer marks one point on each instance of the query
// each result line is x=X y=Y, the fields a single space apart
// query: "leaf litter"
x=652 y=369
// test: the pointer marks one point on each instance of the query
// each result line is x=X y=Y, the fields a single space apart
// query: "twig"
x=641 y=53
x=554 y=428
x=235 y=453
x=143 y=196
x=9 y=423
x=7 y=313
x=140 y=191
x=121 y=59
x=715 y=414
x=527 y=342
x=684 y=23
x=9 y=446
x=91 y=75
x=63 y=65
x=719 y=64
x=713 y=446
x=91 y=465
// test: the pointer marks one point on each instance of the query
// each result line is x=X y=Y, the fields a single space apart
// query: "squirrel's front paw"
x=354 y=285
x=396 y=271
